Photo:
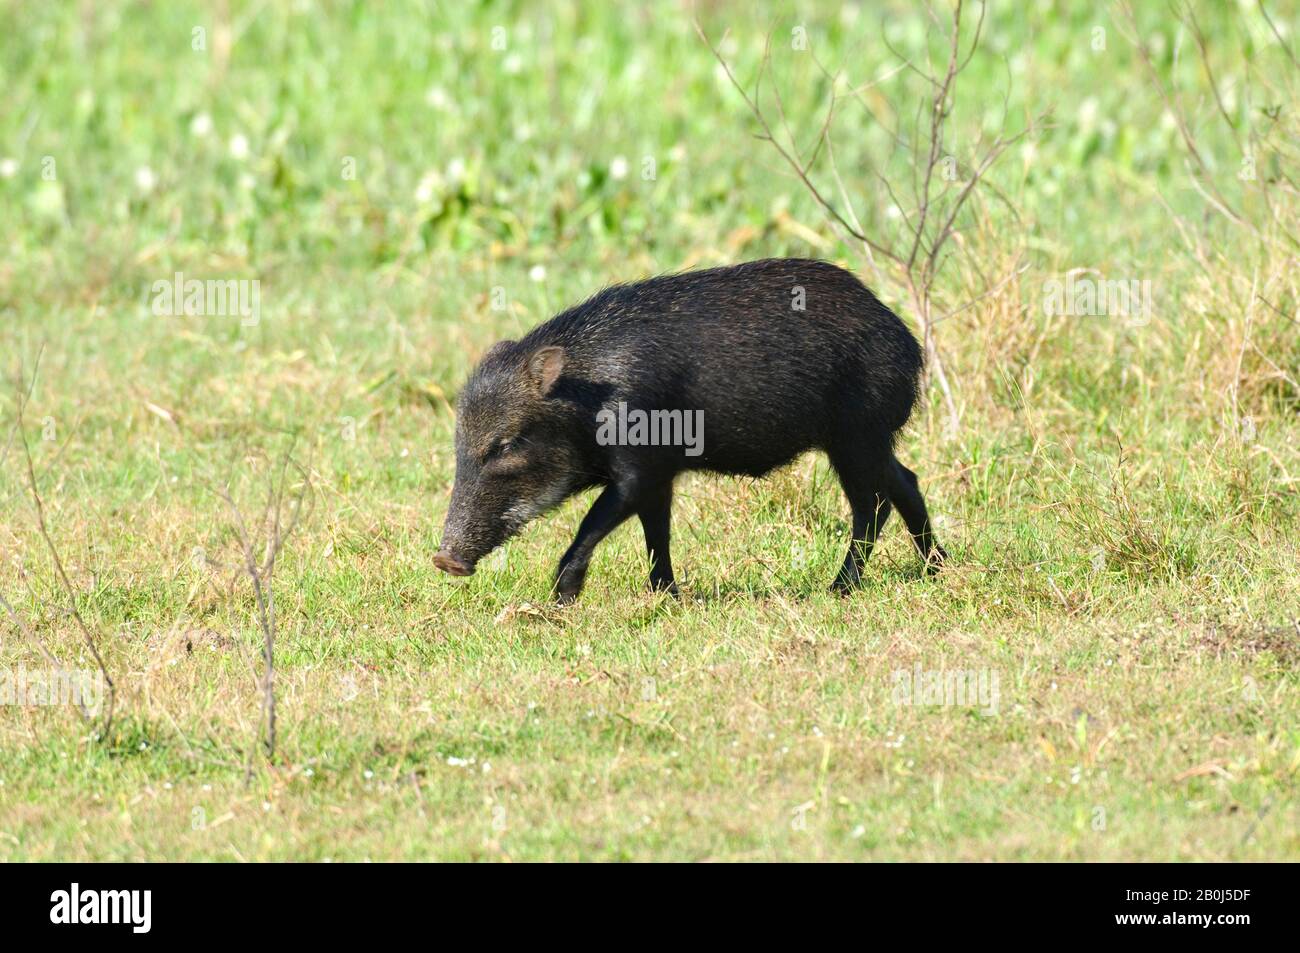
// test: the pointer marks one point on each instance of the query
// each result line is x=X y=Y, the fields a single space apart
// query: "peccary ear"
x=544 y=368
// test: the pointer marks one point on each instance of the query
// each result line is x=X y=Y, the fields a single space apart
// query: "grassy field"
x=410 y=182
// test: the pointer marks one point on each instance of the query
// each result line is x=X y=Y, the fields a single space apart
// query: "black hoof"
x=665 y=585
x=934 y=562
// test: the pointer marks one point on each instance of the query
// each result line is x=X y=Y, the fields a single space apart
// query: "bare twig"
x=1281 y=42
x=23 y=392
x=767 y=136
x=261 y=573
x=1200 y=172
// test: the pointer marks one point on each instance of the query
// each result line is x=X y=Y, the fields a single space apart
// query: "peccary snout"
x=450 y=564
x=516 y=453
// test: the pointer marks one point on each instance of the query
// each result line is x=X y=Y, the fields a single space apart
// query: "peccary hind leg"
x=866 y=488
x=906 y=495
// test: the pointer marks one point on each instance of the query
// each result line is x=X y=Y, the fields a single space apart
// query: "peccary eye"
x=499 y=448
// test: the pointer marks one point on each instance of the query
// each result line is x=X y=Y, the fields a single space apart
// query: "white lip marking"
x=526 y=510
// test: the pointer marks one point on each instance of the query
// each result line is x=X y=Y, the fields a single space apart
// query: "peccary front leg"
x=611 y=508
x=656 y=518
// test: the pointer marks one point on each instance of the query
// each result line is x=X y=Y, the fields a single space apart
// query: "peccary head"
x=517 y=452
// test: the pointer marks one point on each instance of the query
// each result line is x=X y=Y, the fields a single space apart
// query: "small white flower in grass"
x=513 y=64
x=201 y=125
x=429 y=184
x=437 y=98
x=239 y=146
x=1088 y=113
x=858 y=832
x=145 y=180
x=893 y=212
x=8 y=167
x=618 y=168
x=456 y=171
x=487 y=767
x=459 y=762
x=537 y=273
x=308 y=773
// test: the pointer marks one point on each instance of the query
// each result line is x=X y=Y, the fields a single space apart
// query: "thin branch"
x=1180 y=120
x=88 y=638
x=261 y=573
x=790 y=160
x=1204 y=54
x=1280 y=41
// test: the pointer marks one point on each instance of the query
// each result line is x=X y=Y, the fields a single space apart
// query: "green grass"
x=1125 y=560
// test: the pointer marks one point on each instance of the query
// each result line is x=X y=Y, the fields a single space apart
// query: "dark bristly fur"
x=773 y=381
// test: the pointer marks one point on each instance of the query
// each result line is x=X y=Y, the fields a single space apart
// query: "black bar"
x=1216 y=902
